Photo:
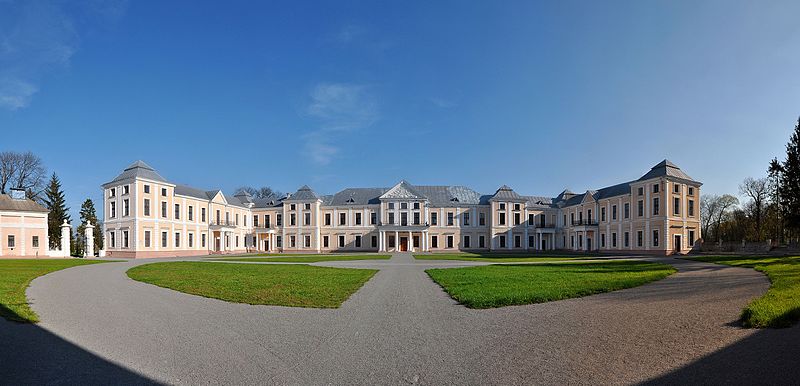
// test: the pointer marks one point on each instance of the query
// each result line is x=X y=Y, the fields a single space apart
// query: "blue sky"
x=537 y=95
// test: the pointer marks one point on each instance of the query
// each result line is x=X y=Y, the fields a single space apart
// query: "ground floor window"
x=125 y=239
x=517 y=242
x=531 y=241
x=35 y=242
x=502 y=241
x=580 y=242
x=627 y=238
x=236 y=239
x=374 y=241
x=655 y=238
x=416 y=241
x=191 y=240
x=325 y=242
x=691 y=239
x=602 y=240
x=572 y=241
x=147 y=239
x=112 y=239
x=177 y=240
x=12 y=242
x=292 y=242
x=279 y=241
x=203 y=240
x=307 y=241
x=164 y=238
x=391 y=241
x=613 y=240
x=449 y=241
x=341 y=241
x=482 y=242
x=639 y=238
x=434 y=241
x=466 y=242
x=358 y=241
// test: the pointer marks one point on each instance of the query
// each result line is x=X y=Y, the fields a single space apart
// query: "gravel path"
x=400 y=328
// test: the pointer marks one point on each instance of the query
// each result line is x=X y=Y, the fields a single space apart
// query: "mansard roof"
x=505 y=193
x=244 y=196
x=303 y=194
x=356 y=196
x=455 y=195
x=268 y=202
x=404 y=191
x=539 y=202
x=189 y=191
x=138 y=169
x=666 y=168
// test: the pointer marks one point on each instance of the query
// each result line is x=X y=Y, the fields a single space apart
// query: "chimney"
x=17 y=194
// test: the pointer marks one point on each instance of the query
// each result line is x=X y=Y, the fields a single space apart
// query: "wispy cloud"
x=37 y=38
x=337 y=108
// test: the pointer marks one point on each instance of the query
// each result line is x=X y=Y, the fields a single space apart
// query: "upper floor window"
x=690 y=209
x=656 y=187
x=627 y=210
x=531 y=218
x=391 y=205
x=112 y=192
x=502 y=206
x=126 y=207
x=640 y=208
x=203 y=214
x=613 y=212
x=327 y=219
x=177 y=211
x=342 y=218
x=373 y=218
x=358 y=218
x=517 y=219
x=676 y=206
x=516 y=206
x=501 y=219
x=434 y=219
x=292 y=219
x=113 y=209
x=603 y=214
x=641 y=191
x=416 y=218
x=146 y=207
x=391 y=217
x=656 y=206
x=676 y=188
x=691 y=191
x=450 y=219
x=125 y=189
x=466 y=218
x=416 y=205
x=279 y=219
x=147 y=189
x=308 y=206
x=292 y=207
x=481 y=218
x=306 y=218
x=403 y=205
x=164 y=209
x=191 y=213
x=164 y=192
x=255 y=220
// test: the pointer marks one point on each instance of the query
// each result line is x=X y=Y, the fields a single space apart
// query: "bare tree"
x=262 y=192
x=21 y=171
x=709 y=205
x=758 y=191
x=714 y=209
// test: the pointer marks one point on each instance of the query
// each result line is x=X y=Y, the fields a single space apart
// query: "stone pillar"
x=66 y=230
x=88 y=234
x=410 y=242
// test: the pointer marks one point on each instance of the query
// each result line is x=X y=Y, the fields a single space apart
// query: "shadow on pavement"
x=30 y=354
x=770 y=356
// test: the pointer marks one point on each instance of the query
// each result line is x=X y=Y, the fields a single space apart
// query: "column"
x=396 y=239
x=380 y=241
x=410 y=242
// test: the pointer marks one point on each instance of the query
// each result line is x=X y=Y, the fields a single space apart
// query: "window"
x=502 y=219
x=279 y=219
x=163 y=192
x=325 y=242
x=237 y=218
x=416 y=218
x=373 y=218
x=125 y=239
x=466 y=242
x=482 y=242
x=676 y=188
x=589 y=215
x=434 y=241
x=177 y=240
x=113 y=210
x=517 y=219
x=640 y=208
x=35 y=241
x=416 y=205
x=516 y=206
x=164 y=209
x=403 y=218
x=307 y=206
x=690 y=209
x=307 y=241
x=531 y=219
x=292 y=219
x=639 y=238
x=390 y=241
x=403 y=205
x=502 y=241
x=191 y=240
x=279 y=241
x=434 y=220
x=358 y=218
x=676 y=206
x=292 y=207
x=306 y=218
x=113 y=239
x=450 y=219
x=517 y=241
x=11 y=241
x=341 y=241
x=147 y=188
x=112 y=192
x=203 y=240
x=655 y=238
x=656 y=187
x=466 y=219
x=691 y=238
x=627 y=241
x=146 y=206
x=342 y=218
x=449 y=241
x=627 y=210
x=147 y=239
x=358 y=241
x=613 y=212
x=177 y=211
x=126 y=207
x=641 y=191
x=203 y=214
x=267 y=223
x=531 y=241
x=614 y=240
x=164 y=239
x=656 y=206
x=255 y=220
x=481 y=219
x=391 y=205
x=415 y=241
x=603 y=214
x=327 y=219
x=502 y=206
x=292 y=242
x=691 y=191
x=391 y=217
x=125 y=189
x=374 y=241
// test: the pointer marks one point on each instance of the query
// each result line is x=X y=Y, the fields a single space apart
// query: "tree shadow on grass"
x=30 y=354
x=768 y=357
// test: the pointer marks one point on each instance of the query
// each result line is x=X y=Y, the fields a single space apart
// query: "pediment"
x=403 y=191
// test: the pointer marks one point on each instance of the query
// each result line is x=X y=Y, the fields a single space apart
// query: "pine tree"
x=790 y=184
x=88 y=213
x=55 y=202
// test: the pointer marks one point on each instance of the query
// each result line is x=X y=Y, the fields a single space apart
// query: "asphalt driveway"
x=400 y=328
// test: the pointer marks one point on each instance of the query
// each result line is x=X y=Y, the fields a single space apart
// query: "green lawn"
x=498 y=257
x=16 y=275
x=293 y=285
x=304 y=258
x=780 y=306
x=505 y=285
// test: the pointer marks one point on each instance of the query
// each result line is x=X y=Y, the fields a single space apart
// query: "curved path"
x=401 y=328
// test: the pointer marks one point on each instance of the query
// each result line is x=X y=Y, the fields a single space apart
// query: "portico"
x=403 y=239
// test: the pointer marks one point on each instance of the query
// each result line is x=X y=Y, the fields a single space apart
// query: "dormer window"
x=351 y=200
x=454 y=199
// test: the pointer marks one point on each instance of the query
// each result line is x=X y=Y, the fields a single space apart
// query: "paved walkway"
x=400 y=328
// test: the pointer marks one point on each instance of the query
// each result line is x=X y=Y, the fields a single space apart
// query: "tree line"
x=771 y=205
x=26 y=171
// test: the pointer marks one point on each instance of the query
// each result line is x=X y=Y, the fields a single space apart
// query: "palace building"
x=147 y=216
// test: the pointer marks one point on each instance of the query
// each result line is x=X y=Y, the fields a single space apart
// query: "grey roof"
x=566 y=194
x=404 y=190
x=356 y=196
x=23 y=205
x=304 y=193
x=268 y=202
x=666 y=168
x=141 y=170
x=449 y=195
x=613 y=191
x=506 y=193
x=539 y=202
x=189 y=191
x=244 y=197
x=233 y=200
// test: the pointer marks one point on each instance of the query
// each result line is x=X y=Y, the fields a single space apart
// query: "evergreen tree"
x=88 y=213
x=790 y=182
x=55 y=202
